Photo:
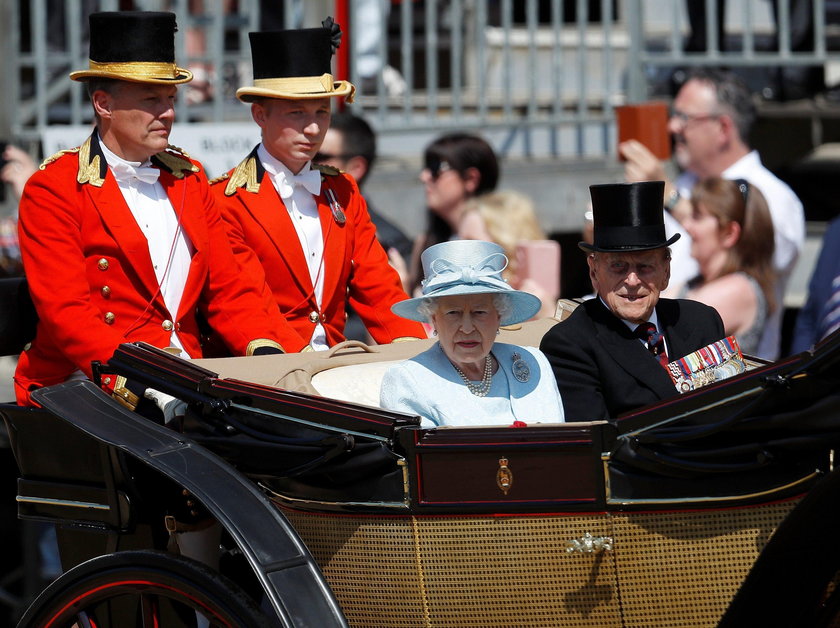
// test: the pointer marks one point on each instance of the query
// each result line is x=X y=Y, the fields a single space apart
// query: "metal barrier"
x=553 y=66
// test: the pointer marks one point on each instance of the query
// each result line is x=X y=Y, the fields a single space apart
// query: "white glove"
x=169 y=405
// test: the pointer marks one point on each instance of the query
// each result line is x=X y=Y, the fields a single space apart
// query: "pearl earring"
x=434 y=332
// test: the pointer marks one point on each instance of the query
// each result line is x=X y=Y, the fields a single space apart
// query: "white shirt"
x=303 y=210
x=170 y=249
x=789 y=234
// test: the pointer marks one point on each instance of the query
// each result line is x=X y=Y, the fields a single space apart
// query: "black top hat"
x=294 y=64
x=137 y=46
x=628 y=217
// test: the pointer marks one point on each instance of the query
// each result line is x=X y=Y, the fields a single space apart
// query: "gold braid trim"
x=175 y=163
x=299 y=84
x=262 y=342
x=55 y=156
x=244 y=175
x=88 y=169
x=138 y=69
x=324 y=169
x=405 y=339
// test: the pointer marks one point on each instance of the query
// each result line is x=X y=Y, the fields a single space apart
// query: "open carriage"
x=336 y=512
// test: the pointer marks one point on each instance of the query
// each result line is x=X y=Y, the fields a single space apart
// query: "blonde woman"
x=508 y=218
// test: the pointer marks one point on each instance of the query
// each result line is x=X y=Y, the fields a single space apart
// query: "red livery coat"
x=356 y=267
x=91 y=277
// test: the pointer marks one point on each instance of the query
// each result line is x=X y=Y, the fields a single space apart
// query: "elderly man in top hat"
x=306 y=228
x=120 y=238
x=610 y=355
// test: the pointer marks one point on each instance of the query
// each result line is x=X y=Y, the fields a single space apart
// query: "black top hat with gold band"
x=294 y=64
x=137 y=46
x=628 y=217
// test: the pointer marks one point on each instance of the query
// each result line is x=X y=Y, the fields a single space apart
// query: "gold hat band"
x=300 y=85
x=138 y=69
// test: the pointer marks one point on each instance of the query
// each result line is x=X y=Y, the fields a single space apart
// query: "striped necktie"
x=655 y=342
x=830 y=320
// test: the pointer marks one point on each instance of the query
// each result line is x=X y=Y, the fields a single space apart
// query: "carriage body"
x=347 y=514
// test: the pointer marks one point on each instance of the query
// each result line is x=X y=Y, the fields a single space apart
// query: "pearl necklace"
x=483 y=387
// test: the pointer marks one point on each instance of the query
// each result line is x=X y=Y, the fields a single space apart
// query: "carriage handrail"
x=289 y=576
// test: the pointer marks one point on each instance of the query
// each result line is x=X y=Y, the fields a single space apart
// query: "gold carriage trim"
x=139 y=69
x=123 y=395
x=262 y=342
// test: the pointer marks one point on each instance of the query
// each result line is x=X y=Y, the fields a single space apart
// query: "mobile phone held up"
x=539 y=262
x=646 y=122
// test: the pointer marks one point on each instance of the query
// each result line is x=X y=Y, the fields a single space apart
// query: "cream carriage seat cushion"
x=359 y=383
x=352 y=371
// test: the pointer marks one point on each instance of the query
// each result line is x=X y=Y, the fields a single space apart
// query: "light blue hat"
x=467 y=267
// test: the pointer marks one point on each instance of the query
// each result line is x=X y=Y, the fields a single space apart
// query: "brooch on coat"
x=520 y=370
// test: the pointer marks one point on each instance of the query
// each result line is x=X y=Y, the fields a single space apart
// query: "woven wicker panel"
x=515 y=571
x=682 y=569
x=371 y=565
x=463 y=571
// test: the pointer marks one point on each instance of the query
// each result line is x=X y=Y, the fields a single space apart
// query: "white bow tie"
x=124 y=173
x=310 y=181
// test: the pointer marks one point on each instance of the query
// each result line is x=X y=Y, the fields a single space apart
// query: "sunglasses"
x=437 y=168
x=322 y=157
x=743 y=188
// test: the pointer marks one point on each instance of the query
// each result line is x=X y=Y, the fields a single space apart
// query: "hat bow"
x=445 y=274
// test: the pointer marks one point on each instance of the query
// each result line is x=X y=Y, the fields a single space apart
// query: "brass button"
x=106 y=381
x=106 y=291
x=167 y=325
x=109 y=318
x=102 y=263
x=313 y=316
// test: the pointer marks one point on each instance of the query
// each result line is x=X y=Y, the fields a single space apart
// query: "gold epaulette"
x=55 y=157
x=179 y=150
x=324 y=169
x=177 y=161
x=244 y=175
x=219 y=179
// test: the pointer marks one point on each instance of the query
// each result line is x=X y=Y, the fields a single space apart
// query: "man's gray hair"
x=732 y=95
x=501 y=301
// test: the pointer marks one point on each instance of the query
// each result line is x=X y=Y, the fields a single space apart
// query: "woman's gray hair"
x=501 y=301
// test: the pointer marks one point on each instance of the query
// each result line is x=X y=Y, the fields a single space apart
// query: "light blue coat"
x=429 y=386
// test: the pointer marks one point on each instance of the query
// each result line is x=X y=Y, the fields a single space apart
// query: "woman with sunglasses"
x=457 y=167
x=732 y=240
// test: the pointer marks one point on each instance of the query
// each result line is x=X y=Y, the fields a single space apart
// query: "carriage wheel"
x=142 y=589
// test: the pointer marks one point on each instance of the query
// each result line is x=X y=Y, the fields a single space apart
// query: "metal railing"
x=554 y=67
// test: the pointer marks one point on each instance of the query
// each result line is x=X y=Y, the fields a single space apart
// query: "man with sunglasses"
x=350 y=145
x=711 y=119
x=302 y=228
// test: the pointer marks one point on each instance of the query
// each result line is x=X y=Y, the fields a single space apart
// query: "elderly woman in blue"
x=467 y=378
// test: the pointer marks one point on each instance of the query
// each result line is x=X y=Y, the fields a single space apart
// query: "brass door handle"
x=588 y=544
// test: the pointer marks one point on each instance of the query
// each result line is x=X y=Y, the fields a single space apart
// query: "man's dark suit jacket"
x=807 y=331
x=603 y=370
